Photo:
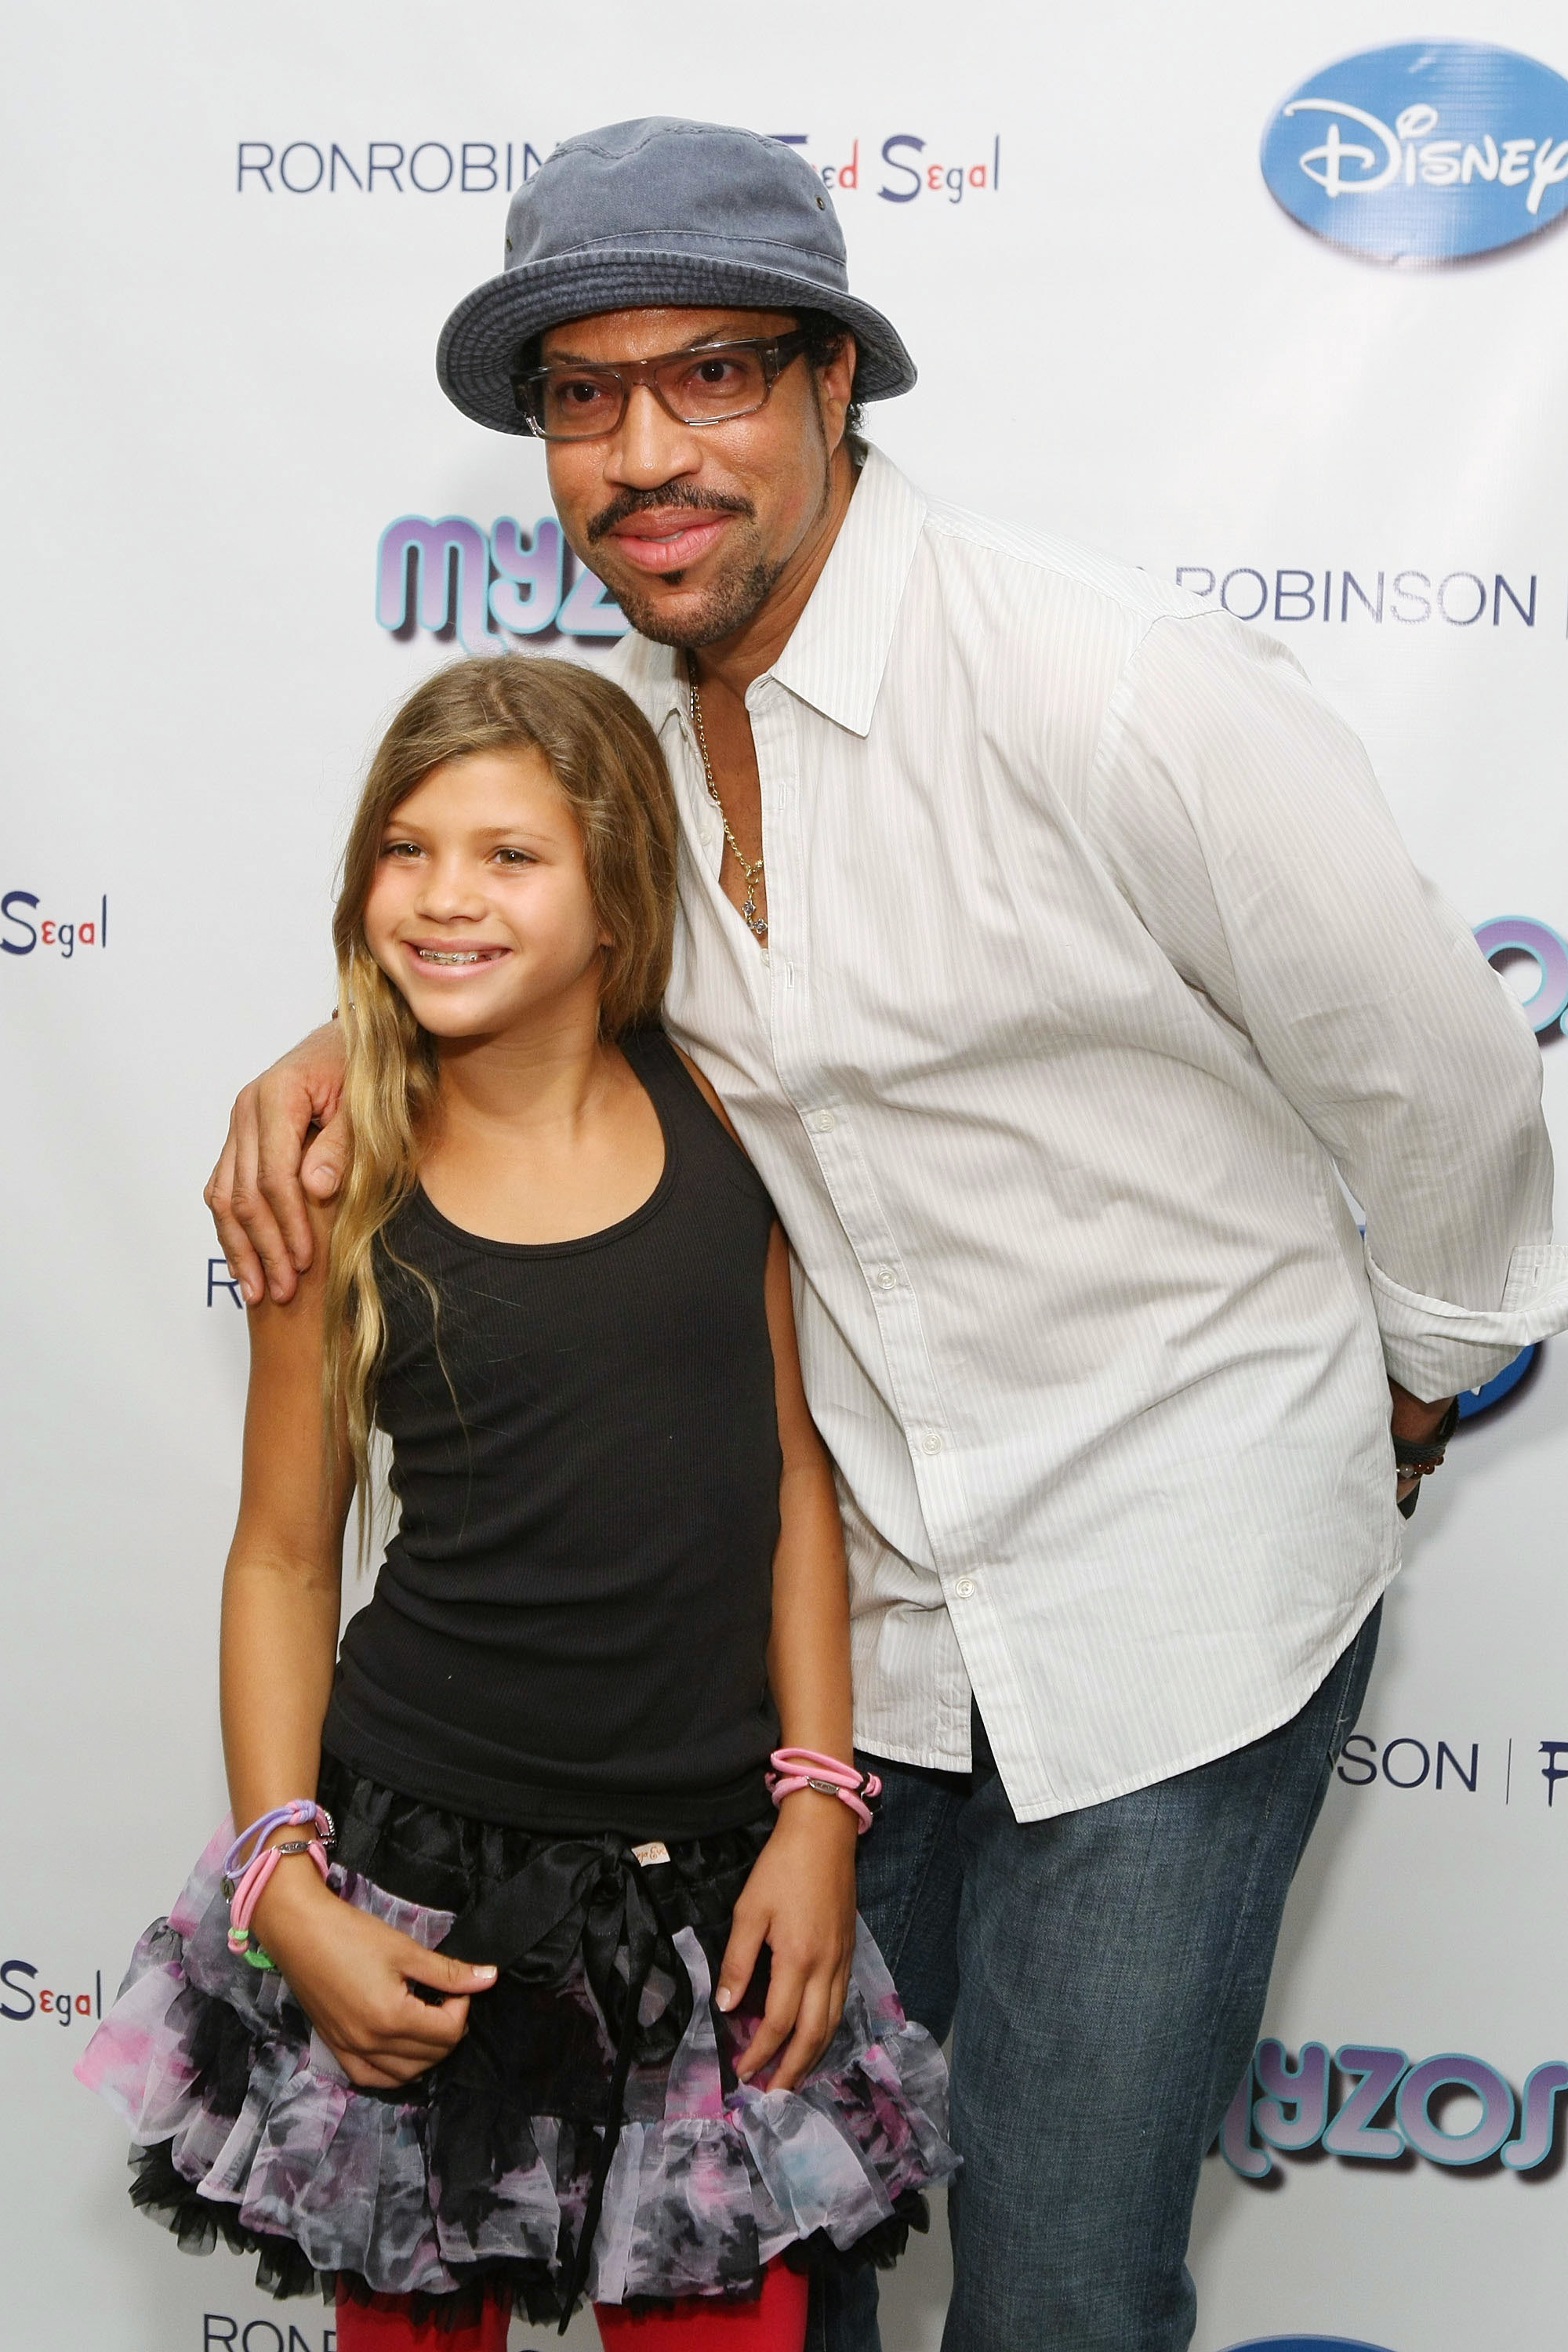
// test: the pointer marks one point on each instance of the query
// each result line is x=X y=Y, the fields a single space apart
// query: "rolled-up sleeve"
x=1246 y=828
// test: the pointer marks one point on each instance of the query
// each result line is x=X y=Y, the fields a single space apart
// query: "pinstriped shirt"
x=1095 y=962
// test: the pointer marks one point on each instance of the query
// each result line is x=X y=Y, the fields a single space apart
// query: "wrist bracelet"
x=248 y=1844
x=252 y=1885
x=794 y=1768
x=249 y=1864
x=1417 y=1457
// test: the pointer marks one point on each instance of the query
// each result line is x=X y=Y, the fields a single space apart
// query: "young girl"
x=517 y=1986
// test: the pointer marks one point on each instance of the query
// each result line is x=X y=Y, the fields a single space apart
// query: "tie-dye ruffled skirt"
x=588 y=2136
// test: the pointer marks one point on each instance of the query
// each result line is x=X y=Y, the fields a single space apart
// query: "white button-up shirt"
x=1092 y=955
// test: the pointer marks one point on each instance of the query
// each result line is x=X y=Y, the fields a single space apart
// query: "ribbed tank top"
x=569 y=1629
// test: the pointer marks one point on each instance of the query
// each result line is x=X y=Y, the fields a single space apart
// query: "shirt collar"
x=836 y=658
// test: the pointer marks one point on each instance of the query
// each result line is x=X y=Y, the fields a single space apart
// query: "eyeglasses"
x=706 y=385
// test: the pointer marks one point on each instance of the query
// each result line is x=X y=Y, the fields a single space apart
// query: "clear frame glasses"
x=706 y=385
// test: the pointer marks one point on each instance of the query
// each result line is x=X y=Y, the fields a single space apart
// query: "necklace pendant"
x=756 y=924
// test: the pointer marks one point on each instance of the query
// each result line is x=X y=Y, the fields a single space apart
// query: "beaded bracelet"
x=1416 y=1458
x=803 y=1768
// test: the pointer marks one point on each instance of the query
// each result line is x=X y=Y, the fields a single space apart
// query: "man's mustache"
x=669 y=494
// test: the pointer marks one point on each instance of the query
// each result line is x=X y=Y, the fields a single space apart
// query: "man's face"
x=690 y=526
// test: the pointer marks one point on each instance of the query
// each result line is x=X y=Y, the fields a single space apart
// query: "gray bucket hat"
x=691 y=214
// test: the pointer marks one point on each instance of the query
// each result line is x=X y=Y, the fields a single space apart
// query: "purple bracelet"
x=298 y=1808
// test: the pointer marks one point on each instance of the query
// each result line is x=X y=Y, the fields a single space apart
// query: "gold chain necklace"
x=751 y=867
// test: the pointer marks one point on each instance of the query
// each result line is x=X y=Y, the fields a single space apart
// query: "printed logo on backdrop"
x=904 y=165
x=1428 y=150
x=1514 y=938
x=908 y=166
x=456 y=579
x=26 y=930
x=222 y=2328
x=25 y=1999
x=1338 y=597
x=1498 y=1770
x=1368 y=2103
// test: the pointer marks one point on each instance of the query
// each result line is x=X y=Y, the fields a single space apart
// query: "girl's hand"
x=349 y=1974
x=800 y=1900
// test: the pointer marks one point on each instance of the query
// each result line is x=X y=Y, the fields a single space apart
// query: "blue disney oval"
x=1305 y=2344
x=1430 y=151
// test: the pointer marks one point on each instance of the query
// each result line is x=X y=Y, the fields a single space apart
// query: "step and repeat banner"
x=1274 y=303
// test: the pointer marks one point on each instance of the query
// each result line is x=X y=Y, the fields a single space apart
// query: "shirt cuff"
x=1435 y=1349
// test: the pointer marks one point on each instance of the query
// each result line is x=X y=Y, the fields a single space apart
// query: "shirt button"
x=886 y=1278
x=965 y=1587
x=824 y=1121
x=931 y=1441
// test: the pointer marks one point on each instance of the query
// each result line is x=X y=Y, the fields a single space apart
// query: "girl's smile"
x=434 y=954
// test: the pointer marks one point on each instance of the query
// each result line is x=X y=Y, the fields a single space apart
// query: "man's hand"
x=1414 y=1422
x=350 y=1975
x=800 y=1900
x=257 y=1192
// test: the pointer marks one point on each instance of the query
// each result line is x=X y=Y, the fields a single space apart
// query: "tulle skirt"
x=588 y=2136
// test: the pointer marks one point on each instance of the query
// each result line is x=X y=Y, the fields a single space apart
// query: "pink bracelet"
x=251 y=1886
x=803 y=1768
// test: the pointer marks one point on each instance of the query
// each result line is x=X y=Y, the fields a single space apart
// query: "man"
x=1054 y=954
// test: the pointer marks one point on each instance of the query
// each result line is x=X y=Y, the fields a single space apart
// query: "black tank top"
x=570 y=1628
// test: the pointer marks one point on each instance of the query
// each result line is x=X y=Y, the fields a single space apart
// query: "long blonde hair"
x=605 y=759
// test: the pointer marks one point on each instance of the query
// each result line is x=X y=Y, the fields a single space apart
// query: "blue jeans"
x=1103 y=1975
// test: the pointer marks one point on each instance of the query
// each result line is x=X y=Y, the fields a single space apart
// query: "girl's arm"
x=800 y=1897
x=281 y=1588
x=279 y=1646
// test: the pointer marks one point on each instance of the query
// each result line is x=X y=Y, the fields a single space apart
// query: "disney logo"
x=1439 y=164
x=1363 y=129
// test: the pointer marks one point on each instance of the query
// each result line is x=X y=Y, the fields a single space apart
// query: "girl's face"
x=480 y=912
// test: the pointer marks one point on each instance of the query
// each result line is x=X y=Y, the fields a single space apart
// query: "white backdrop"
x=221 y=395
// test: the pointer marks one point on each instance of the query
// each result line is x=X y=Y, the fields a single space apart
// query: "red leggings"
x=383 y=2325
x=774 y=2323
